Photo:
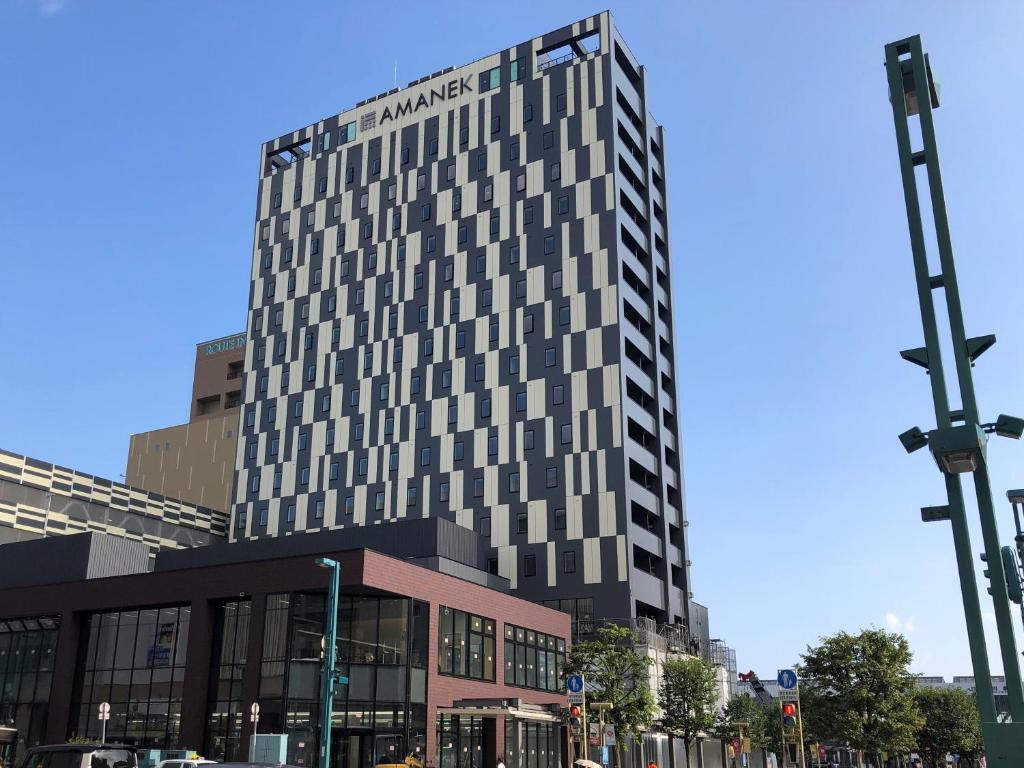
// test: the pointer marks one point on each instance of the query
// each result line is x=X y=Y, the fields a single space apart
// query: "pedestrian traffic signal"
x=574 y=717
x=789 y=715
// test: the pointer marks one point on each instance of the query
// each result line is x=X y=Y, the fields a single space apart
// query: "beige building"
x=195 y=461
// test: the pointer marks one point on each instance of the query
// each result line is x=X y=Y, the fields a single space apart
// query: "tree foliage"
x=744 y=708
x=618 y=674
x=951 y=724
x=688 y=697
x=858 y=690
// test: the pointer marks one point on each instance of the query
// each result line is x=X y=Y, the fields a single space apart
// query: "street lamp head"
x=1009 y=426
x=958 y=450
x=1016 y=497
x=326 y=562
x=913 y=439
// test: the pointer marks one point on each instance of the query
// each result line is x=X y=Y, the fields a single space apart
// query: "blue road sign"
x=574 y=683
x=787 y=679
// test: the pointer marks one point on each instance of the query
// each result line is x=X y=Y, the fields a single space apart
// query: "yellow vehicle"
x=411 y=761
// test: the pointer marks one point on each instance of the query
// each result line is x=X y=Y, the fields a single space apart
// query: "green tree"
x=744 y=709
x=616 y=673
x=951 y=724
x=858 y=690
x=688 y=698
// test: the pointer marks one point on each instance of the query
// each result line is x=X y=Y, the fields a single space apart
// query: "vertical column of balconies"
x=659 y=568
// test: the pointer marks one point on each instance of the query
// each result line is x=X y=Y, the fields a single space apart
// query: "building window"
x=533 y=659
x=558 y=394
x=529 y=565
x=290 y=514
x=551 y=477
x=425 y=457
x=517 y=69
x=460 y=450
x=443 y=492
x=513 y=482
x=478 y=487
x=528 y=215
x=350 y=505
x=464 y=135
x=566 y=434
x=465 y=645
x=521 y=182
x=485 y=408
x=490 y=79
x=481 y=161
x=527 y=113
x=560 y=102
x=405 y=155
x=495 y=124
x=549 y=357
x=410 y=496
x=568 y=562
x=520 y=402
x=564 y=316
x=432 y=146
x=375 y=166
x=147 y=647
x=528 y=323
x=319 y=509
x=556 y=171
x=560 y=519
x=513 y=254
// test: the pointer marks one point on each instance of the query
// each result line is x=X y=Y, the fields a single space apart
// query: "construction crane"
x=763 y=697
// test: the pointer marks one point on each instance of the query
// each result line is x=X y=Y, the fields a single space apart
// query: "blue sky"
x=131 y=134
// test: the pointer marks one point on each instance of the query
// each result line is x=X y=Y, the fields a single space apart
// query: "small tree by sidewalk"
x=688 y=699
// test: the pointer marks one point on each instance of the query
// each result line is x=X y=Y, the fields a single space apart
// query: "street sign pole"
x=104 y=716
x=254 y=716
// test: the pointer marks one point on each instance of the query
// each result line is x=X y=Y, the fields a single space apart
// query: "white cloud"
x=896 y=624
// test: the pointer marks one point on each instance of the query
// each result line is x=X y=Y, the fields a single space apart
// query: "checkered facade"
x=460 y=306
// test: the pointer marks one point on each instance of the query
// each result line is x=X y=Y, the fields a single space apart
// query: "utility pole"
x=957 y=449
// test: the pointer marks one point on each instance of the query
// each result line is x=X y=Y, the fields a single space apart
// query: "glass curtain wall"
x=531 y=744
x=135 y=660
x=460 y=741
x=225 y=707
x=533 y=659
x=382 y=649
x=26 y=674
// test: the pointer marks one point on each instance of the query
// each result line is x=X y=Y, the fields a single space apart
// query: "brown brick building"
x=442 y=662
x=195 y=461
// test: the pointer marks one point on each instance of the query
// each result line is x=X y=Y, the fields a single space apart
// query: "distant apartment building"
x=195 y=461
x=39 y=499
x=966 y=683
x=460 y=306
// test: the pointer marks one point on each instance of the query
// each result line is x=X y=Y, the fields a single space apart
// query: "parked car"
x=185 y=763
x=80 y=756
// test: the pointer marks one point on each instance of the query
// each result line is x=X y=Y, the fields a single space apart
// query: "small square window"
x=563 y=204
x=549 y=139
x=513 y=482
x=528 y=440
x=411 y=496
x=367 y=230
x=421 y=181
x=378 y=501
x=521 y=182
x=321 y=185
x=549 y=245
x=513 y=254
x=566 y=434
x=432 y=146
x=520 y=402
x=350 y=174
x=446 y=378
x=492 y=331
x=485 y=526
x=363 y=464
x=485 y=408
x=481 y=161
x=560 y=102
x=556 y=171
x=290 y=514
x=463 y=234
x=521 y=288
x=528 y=323
x=492 y=445
x=478 y=487
x=364 y=201
x=425 y=457
x=564 y=315
x=421 y=419
x=460 y=339
x=560 y=519
x=550 y=357
x=431 y=244
x=459 y=450
x=556 y=280
x=488 y=192
x=350 y=505
x=464 y=135
x=334 y=470
x=558 y=394
x=528 y=215
x=405 y=155
x=415 y=385
x=425 y=212
x=513 y=150
x=418 y=280
x=375 y=165
x=513 y=364
x=451 y=171
x=495 y=124
x=478 y=372
x=443 y=492
x=495 y=224
x=486 y=297
x=449 y=272
x=453 y=414
x=527 y=113
x=551 y=477
x=277 y=199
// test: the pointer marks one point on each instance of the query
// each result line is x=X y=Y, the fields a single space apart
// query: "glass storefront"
x=382 y=649
x=531 y=744
x=465 y=644
x=135 y=660
x=26 y=675
x=460 y=741
x=225 y=707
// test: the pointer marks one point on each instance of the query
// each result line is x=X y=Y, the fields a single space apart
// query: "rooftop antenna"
x=396 y=74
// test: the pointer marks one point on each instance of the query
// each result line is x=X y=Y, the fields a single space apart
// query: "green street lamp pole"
x=329 y=676
x=959 y=442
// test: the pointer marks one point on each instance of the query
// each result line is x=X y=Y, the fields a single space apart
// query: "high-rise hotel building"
x=461 y=307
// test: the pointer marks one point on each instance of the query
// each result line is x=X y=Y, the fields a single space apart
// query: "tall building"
x=195 y=461
x=460 y=307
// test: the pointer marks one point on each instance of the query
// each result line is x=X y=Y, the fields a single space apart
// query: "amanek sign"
x=453 y=89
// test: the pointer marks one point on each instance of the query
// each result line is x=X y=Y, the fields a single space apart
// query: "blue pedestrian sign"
x=574 y=683
x=787 y=679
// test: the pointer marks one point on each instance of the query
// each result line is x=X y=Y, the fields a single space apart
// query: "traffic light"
x=1012 y=571
x=574 y=718
x=789 y=715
